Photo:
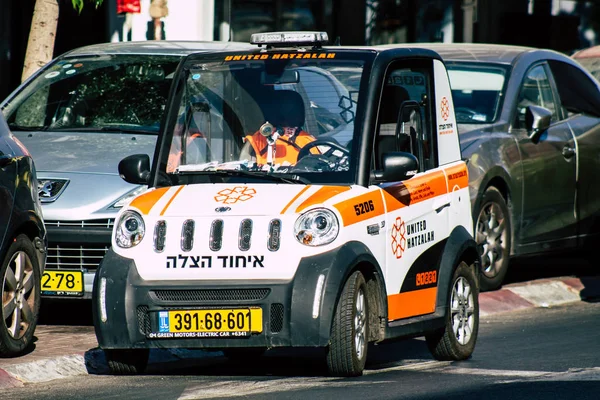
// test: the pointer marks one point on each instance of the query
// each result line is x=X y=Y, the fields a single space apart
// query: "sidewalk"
x=64 y=351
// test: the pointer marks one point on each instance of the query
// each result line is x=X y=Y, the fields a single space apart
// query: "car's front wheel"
x=21 y=279
x=493 y=237
x=456 y=341
x=127 y=361
x=347 y=352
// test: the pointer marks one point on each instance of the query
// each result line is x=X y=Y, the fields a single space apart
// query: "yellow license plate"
x=237 y=320
x=62 y=282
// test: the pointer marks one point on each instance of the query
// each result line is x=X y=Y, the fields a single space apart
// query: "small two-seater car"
x=22 y=245
x=285 y=211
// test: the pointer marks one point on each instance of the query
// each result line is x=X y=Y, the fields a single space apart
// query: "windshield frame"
x=159 y=176
x=483 y=66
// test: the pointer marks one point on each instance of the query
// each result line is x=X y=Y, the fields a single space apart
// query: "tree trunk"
x=40 y=47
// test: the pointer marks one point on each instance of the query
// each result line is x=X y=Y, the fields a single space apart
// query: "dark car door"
x=8 y=173
x=549 y=169
x=580 y=99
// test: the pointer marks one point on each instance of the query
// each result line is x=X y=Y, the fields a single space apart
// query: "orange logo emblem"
x=232 y=196
x=445 y=108
x=398 y=237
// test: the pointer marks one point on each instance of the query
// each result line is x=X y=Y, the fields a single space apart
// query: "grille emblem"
x=222 y=209
x=50 y=189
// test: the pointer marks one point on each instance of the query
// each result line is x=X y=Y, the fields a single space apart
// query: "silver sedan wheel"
x=463 y=310
x=360 y=324
x=491 y=236
x=18 y=295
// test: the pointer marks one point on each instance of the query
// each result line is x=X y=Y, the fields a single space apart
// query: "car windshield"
x=477 y=91
x=108 y=93
x=248 y=116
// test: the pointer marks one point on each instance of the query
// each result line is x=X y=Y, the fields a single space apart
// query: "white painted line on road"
x=230 y=388
x=496 y=372
x=416 y=365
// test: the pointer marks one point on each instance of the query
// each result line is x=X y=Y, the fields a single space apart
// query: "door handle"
x=568 y=152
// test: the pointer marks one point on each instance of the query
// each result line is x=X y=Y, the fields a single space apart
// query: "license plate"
x=62 y=283
x=232 y=322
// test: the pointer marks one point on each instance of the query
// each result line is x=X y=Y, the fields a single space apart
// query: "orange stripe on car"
x=322 y=195
x=295 y=198
x=411 y=304
x=146 y=201
x=415 y=190
x=458 y=177
x=171 y=200
x=361 y=207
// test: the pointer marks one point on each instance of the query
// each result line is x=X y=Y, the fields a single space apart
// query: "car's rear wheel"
x=456 y=341
x=21 y=279
x=347 y=352
x=127 y=361
x=493 y=237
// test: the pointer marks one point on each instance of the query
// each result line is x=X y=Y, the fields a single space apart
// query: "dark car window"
x=537 y=91
x=578 y=92
x=120 y=91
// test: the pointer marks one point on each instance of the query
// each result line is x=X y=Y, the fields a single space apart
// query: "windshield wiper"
x=14 y=127
x=115 y=129
x=276 y=177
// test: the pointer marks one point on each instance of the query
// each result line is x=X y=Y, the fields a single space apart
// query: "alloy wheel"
x=18 y=295
x=491 y=237
x=463 y=310
x=360 y=324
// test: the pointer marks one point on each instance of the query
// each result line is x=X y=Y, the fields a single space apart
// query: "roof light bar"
x=290 y=38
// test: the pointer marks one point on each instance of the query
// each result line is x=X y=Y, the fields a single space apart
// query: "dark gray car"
x=79 y=116
x=22 y=245
x=528 y=122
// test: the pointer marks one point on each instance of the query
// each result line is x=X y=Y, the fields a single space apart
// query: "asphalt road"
x=536 y=354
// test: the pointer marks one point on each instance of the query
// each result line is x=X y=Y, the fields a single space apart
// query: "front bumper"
x=126 y=310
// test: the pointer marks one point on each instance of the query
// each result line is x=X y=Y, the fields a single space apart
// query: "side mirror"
x=135 y=169
x=397 y=166
x=537 y=121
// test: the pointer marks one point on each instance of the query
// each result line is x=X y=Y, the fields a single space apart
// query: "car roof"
x=479 y=52
x=157 y=47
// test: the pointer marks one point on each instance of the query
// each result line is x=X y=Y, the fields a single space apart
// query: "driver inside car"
x=279 y=140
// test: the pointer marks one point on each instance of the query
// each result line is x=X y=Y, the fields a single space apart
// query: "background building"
x=564 y=25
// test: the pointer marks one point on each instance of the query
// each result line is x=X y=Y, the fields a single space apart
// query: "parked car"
x=263 y=230
x=22 y=245
x=529 y=128
x=79 y=116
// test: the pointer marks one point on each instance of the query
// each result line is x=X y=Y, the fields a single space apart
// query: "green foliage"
x=78 y=4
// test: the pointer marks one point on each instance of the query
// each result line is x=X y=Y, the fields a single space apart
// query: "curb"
x=512 y=297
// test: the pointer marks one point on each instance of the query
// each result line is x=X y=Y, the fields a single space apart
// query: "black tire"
x=347 y=351
x=21 y=280
x=246 y=354
x=457 y=342
x=127 y=361
x=493 y=233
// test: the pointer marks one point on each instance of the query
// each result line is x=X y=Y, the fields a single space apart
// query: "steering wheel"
x=467 y=113
x=323 y=142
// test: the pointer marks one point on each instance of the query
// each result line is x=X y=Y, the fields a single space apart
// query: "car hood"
x=84 y=152
x=471 y=133
x=223 y=200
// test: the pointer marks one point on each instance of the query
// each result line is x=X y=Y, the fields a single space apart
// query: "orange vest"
x=285 y=149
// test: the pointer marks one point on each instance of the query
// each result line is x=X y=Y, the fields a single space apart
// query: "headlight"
x=317 y=227
x=127 y=197
x=130 y=229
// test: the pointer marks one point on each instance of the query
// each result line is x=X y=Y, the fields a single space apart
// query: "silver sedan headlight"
x=130 y=229
x=127 y=197
x=317 y=227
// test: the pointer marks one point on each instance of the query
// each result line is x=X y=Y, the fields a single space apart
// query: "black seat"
x=386 y=141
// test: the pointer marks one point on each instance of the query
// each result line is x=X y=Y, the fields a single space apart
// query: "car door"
x=8 y=173
x=580 y=100
x=549 y=169
x=417 y=217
